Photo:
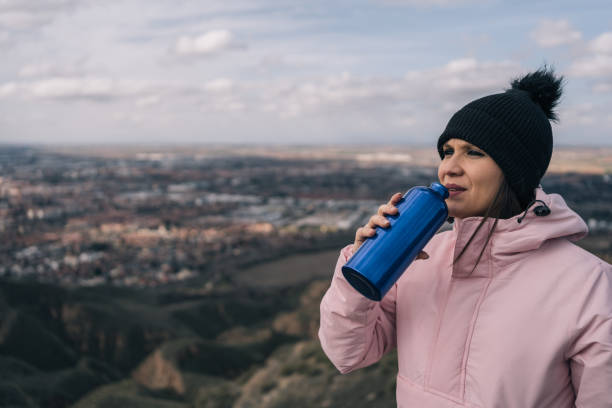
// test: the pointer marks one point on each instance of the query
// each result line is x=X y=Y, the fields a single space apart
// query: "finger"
x=368 y=231
x=358 y=234
x=379 y=221
x=376 y=221
x=362 y=234
x=395 y=198
x=381 y=209
x=387 y=209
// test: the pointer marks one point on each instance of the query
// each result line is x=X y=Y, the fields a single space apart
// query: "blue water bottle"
x=381 y=259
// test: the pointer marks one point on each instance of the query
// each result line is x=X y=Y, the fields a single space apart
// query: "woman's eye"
x=475 y=153
x=448 y=152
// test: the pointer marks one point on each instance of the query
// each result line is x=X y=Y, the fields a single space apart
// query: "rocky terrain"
x=251 y=343
x=243 y=345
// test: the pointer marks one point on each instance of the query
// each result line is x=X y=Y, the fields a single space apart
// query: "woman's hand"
x=379 y=220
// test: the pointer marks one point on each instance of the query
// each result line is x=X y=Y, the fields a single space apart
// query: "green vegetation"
x=171 y=347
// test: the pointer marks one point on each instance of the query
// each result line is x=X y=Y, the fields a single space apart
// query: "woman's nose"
x=450 y=166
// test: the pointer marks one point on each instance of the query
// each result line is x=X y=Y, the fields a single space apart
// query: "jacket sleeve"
x=590 y=352
x=355 y=331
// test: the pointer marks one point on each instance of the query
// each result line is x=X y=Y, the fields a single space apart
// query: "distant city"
x=148 y=217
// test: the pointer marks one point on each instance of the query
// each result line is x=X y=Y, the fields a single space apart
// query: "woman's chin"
x=456 y=210
x=456 y=213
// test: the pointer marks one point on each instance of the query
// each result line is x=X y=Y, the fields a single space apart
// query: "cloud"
x=583 y=114
x=219 y=85
x=19 y=20
x=73 y=88
x=148 y=101
x=209 y=43
x=7 y=89
x=602 y=44
x=467 y=76
x=430 y=3
x=598 y=61
x=440 y=89
x=221 y=94
x=602 y=87
x=77 y=88
x=419 y=99
x=34 y=6
x=415 y=105
x=592 y=66
x=225 y=95
x=50 y=69
x=23 y=15
x=552 y=33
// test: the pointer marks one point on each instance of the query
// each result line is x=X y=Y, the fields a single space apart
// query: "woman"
x=504 y=310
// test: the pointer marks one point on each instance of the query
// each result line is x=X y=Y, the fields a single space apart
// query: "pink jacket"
x=530 y=327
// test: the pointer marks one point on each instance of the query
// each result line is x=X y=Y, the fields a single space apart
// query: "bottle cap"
x=440 y=190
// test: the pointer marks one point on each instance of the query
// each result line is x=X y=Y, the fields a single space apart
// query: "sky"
x=367 y=72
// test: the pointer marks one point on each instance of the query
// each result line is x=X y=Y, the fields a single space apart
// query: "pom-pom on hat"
x=513 y=128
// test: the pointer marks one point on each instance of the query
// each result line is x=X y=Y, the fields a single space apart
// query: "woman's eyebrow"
x=461 y=146
x=469 y=146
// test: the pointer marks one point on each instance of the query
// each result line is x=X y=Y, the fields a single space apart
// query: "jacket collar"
x=511 y=239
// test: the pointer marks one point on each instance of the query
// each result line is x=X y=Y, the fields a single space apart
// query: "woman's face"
x=471 y=176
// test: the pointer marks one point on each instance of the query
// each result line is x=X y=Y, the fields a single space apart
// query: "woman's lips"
x=454 y=189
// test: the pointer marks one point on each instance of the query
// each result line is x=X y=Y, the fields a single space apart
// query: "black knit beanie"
x=513 y=128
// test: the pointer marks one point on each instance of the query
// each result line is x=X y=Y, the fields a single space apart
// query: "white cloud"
x=226 y=105
x=71 y=88
x=21 y=20
x=148 y=101
x=220 y=94
x=52 y=69
x=34 y=5
x=551 y=33
x=464 y=78
x=219 y=85
x=7 y=89
x=583 y=114
x=602 y=87
x=602 y=44
x=430 y=3
x=150 y=59
x=209 y=43
x=89 y=88
x=22 y=15
x=420 y=99
x=440 y=90
x=33 y=70
x=598 y=61
x=592 y=66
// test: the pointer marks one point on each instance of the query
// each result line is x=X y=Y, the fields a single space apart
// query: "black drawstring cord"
x=540 y=210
